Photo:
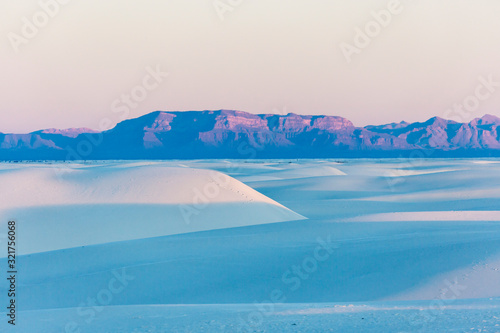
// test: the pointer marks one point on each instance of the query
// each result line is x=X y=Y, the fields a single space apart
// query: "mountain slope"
x=237 y=134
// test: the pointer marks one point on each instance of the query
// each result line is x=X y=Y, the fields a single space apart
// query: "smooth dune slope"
x=65 y=206
x=407 y=246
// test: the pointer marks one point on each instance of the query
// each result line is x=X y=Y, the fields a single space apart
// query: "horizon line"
x=247 y=112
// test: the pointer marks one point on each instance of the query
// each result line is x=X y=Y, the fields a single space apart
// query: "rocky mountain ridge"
x=238 y=134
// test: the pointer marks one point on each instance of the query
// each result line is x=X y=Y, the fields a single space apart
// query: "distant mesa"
x=69 y=132
x=238 y=134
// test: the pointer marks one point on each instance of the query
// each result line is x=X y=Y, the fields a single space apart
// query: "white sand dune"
x=430 y=263
x=308 y=171
x=430 y=216
x=79 y=205
x=471 y=316
x=406 y=172
x=479 y=280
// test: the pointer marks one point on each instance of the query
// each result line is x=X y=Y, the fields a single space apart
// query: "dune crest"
x=77 y=205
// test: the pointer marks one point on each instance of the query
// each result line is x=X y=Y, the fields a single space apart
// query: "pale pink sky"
x=265 y=56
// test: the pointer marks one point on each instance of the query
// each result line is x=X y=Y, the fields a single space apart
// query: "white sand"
x=78 y=205
x=430 y=263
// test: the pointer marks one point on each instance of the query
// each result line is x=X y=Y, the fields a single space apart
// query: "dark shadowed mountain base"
x=241 y=135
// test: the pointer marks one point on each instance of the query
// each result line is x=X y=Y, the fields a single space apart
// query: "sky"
x=75 y=63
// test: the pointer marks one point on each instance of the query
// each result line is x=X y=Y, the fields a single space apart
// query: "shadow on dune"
x=244 y=265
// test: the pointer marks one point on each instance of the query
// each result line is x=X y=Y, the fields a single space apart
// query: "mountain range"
x=237 y=134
